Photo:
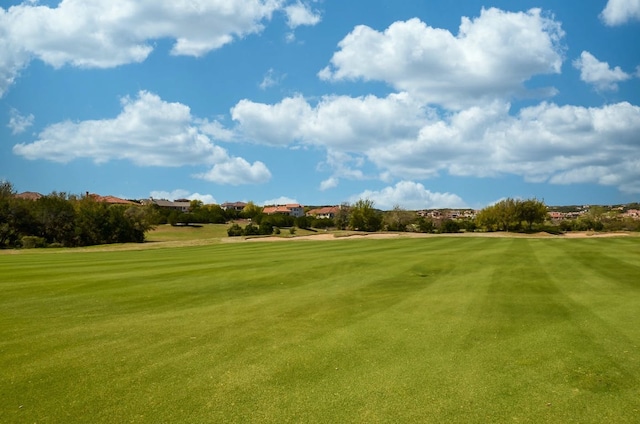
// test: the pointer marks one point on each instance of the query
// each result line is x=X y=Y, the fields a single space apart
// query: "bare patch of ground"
x=329 y=237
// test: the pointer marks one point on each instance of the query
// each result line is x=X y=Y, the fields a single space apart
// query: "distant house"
x=555 y=215
x=29 y=195
x=181 y=205
x=632 y=213
x=292 y=209
x=327 y=212
x=235 y=206
x=426 y=213
x=112 y=200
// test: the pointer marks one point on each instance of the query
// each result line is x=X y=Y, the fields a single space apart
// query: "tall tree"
x=398 y=219
x=56 y=216
x=251 y=211
x=364 y=217
x=531 y=211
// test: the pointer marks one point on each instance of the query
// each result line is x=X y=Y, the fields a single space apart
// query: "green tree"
x=487 y=218
x=56 y=217
x=91 y=223
x=364 y=217
x=398 y=219
x=16 y=218
x=531 y=211
x=506 y=214
x=341 y=219
x=234 y=231
x=303 y=221
x=501 y=216
x=251 y=211
x=450 y=226
x=425 y=225
x=195 y=205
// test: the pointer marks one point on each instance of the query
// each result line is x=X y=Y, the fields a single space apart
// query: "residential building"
x=236 y=206
x=327 y=212
x=181 y=205
x=294 y=209
x=29 y=195
x=112 y=200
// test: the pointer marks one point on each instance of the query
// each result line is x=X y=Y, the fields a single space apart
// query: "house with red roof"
x=327 y=212
x=292 y=209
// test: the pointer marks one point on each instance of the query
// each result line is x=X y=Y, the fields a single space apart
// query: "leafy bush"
x=31 y=242
x=234 y=231
x=450 y=226
x=251 y=230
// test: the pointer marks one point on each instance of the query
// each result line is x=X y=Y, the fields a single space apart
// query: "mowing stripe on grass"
x=400 y=330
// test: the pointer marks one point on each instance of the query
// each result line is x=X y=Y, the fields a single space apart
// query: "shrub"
x=251 y=230
x=31 y=242
x=234 y=231
x=450 y=226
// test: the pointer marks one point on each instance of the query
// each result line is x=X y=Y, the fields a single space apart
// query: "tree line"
x=59 y=219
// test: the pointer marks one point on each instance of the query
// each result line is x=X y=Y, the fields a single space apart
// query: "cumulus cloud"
x=329 y=183
x=492 y=56
x=207 y=199
x=599 y=74
x=618 y=12
x=99 y=34
x=236 y=171
x=412 y=196
x=539 y=144
x=19 y=123
x=299 y=14
x=148 y=132
x=406 y=140
x=333 y=120
x=282 y=200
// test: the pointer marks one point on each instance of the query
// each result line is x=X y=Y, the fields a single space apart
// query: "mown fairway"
x=443 y=329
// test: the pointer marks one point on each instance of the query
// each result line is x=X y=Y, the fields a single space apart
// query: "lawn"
x=440 y=329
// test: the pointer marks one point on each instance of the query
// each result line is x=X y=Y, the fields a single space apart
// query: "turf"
x=398 y=330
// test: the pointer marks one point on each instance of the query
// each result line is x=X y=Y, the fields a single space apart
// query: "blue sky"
x=421 y=104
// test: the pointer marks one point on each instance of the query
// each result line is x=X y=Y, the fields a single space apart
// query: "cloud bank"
x=148 y=132
x=404 y=139
x=104 y=34
x=492 y=56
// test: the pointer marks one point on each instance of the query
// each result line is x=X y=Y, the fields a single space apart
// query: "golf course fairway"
x=398 y=330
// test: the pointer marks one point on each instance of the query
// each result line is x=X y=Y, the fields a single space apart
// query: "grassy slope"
x=403 y=330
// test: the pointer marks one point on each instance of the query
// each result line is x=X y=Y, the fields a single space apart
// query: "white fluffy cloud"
x=148 y=132
x=335 y=120
x=618 y=12
x=405 y=139
x=183 y=194
x=19 y=123
x=599 y=74
x=108 y=33
x=236 y=171
x=299 y=14
x=412 y=196
x=282 y=200
x=492 y=56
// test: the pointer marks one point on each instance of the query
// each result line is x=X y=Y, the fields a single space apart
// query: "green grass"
x=204 y=234
x=441 y=329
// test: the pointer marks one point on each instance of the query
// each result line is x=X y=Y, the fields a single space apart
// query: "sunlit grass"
x=402 y=330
